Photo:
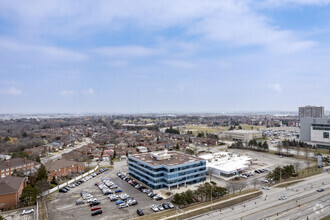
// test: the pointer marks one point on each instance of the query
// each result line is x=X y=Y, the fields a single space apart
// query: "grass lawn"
x=202 y=128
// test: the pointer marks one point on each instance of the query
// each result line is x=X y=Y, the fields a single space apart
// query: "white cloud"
x=179 y=64
x=275 y=87
x=226 y=21
x=127 y=51
x=277 y=3
x=89 y=91
x=13 y=91
x=67 y=92
x=42 y=52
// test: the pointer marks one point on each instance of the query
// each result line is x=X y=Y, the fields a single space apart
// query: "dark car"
x=63 y=190
x=139 y=212
x=97 y=212
x=165 y=206
x=94 y=203
x=78 y=202
x=320 y=190
x=159 y=198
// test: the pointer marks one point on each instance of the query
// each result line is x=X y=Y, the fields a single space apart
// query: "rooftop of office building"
x=165 y=158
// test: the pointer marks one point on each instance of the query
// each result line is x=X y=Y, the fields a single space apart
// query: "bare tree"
x=298 y=149
x=279 y=148
x=211 y=169
x=241 y=185
x=297 y=166
x=306 y=152
x=308 y=163
x=254 y=181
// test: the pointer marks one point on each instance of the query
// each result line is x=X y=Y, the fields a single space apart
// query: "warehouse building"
x=242 y=135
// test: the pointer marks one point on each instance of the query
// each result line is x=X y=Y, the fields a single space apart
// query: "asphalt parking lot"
x=63 y=205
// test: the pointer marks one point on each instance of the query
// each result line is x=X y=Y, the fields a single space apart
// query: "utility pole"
x=280 y=174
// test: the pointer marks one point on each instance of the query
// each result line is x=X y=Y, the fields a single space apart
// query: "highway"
x=302 y=201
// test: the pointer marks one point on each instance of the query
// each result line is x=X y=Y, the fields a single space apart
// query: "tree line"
x=203 y=192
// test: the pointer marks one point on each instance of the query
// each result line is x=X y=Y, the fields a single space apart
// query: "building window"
x=326 y=135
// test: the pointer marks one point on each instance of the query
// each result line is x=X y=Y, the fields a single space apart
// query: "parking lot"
x=63 y=205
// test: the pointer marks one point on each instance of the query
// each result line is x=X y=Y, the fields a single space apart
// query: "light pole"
x=211 y=199
x=37 y=212
x=280 y=174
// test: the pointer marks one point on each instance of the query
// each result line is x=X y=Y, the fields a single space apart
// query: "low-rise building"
x=242 y=135
x=63 y=167
x=162 y=169
x=11 y=188
x=7 y=167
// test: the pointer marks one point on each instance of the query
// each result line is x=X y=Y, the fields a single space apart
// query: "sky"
x=142 y=56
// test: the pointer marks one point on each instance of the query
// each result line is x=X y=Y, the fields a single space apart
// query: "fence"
x=69 y=182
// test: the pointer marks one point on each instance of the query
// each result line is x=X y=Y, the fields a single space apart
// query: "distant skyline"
x=164 y=56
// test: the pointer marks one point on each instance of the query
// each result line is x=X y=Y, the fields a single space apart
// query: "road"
x=302 y=201
x=58 y=155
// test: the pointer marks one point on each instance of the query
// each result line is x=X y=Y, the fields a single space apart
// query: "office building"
x=315 y=131
x=162 y=169
x=242 y=135
x=311 y=111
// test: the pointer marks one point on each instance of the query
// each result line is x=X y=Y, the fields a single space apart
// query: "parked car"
x=170 y=205
x=132 y=202
x=140 y=212
x=165 y=206
x=62 y=190
x=79 y=202
x=196 y=199
x=94 y=203
x=97 y=212
x=160 y=207
x=320 y=190
x=91 y=200
x=27 y=211
x=118 y=190
x=122 y=205
x=154 y=208
x=119 y=202
x=265 y=181
x=265 y=187
x=95 y=208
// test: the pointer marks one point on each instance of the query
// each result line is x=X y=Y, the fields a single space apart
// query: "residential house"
x=20 y=164
x=63 y=167
x=11 y=188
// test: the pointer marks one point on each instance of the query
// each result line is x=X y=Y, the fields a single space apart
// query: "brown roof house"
x=63 y=167
x=11 y=188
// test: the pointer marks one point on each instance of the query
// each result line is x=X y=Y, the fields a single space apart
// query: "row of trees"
x=252 y=145
x=171 y=130
x=204 y=192
x=284 y=173
x=259 y=145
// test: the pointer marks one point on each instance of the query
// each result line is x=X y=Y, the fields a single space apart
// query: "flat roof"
x=177 y=159
x=226 y=162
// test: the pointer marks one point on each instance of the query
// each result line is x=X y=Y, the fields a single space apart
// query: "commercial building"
x=226 y=164
x=11 y=188
x=63 y=167
x=315 y=131
x=242 y=135
x=162 y=169
x=7 y=167
x=311 y=111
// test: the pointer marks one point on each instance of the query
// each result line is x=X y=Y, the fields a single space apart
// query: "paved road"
x=16 y=214
x=58 y=155
x=313 y=204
